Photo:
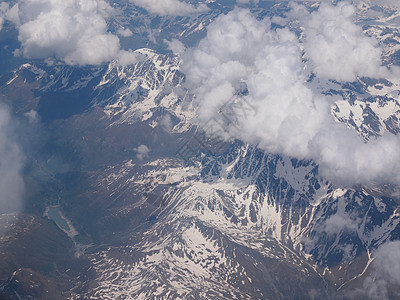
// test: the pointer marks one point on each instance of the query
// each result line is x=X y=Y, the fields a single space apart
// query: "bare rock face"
x=158 y=215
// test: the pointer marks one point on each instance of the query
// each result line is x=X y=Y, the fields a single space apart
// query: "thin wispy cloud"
x=11 y=165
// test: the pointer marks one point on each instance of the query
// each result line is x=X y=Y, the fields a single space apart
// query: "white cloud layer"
x=125 y=32
x=291 y=118
x=386 y=272
x=74 y=31
x=3 y=11
x=176 y=46
x=169 y=7
x=337 y=47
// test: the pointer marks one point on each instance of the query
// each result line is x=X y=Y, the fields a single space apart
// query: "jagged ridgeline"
x=146 y=209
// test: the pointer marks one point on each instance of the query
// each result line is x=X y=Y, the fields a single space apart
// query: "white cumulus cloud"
x=385 y=273
x=291 y=118
x=125 y=32
x=169 y=7
x=176 y=46
x=337 y=47
x=3 y=11
x=142 y=152
x=74 y=31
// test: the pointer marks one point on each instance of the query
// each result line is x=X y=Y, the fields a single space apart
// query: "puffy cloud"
x=246 y=2
x=386 y=272
x=11 y=163
x=125 y=32
x=215 y=67
x=32 y=116
x=169 y=7
x=3 y=10
x=291 y=118
x=74 y=31
x=142 y=152
x=388 y=260
x=167 y=123
x=176 y=46
x=337 y=47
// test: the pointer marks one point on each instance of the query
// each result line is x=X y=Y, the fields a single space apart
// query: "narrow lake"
x=55 y=215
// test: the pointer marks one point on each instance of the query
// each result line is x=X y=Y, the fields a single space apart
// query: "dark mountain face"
x=152 y=212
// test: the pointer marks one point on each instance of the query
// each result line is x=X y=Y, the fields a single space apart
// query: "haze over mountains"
x=199 y=149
